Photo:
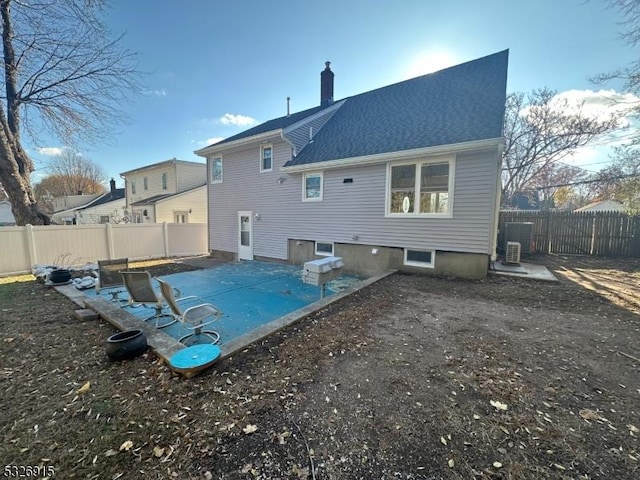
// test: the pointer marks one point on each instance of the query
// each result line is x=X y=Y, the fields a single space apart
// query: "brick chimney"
x=326 y=85
x=112 y=184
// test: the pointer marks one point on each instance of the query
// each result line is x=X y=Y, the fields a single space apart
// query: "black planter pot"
x=60 y=275
x=126 y=345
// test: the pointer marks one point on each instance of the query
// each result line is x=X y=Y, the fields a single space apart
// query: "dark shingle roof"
x=459 y=104
x=152 y=200
x=270 y=125
x=117 y=194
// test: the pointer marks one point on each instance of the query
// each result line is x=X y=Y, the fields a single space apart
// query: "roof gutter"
x=219 y=147
x=396 y=156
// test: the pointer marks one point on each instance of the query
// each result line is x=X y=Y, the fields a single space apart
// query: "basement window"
x=419 y=258
x=324 y=248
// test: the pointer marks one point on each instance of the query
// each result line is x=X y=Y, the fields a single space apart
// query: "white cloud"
x=50 y=151
x=239 y=120
x=208 y=141
x=601 y=104
x=157 y=93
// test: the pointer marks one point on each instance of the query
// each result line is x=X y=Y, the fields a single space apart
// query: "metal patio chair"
x=109 y=277
x=141 y=292
x=193 y=318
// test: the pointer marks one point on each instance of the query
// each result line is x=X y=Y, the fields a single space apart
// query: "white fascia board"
x=395 y=156
x=218 y=148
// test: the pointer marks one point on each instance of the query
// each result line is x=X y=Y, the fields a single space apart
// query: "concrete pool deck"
x=165 y=345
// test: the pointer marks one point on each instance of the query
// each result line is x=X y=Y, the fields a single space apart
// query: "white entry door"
x=245 y=236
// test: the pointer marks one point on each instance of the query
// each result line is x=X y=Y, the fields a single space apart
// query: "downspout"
x=496 y=213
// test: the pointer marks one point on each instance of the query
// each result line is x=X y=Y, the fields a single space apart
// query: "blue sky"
x=215 y=66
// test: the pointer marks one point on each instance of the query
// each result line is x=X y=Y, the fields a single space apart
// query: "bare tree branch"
x=541 y=130
x=63 y=73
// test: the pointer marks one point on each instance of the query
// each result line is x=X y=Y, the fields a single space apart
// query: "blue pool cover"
x=249 y=294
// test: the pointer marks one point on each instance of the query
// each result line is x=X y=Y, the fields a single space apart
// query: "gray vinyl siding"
x=190 y=176
x=349 y=209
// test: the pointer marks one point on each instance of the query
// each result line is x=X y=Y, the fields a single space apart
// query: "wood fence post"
x=547 y=229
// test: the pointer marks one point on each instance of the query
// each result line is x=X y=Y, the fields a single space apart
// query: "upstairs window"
x=133 y=186
x=312 y=187
x=164 y=181
x=266 y=158
x=145 y=183
x=216 y=170
x=420 y=188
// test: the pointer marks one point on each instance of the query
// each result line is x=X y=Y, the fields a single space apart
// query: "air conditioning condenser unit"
x=512 y=256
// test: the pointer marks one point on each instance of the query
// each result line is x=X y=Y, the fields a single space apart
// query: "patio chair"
x=141 y=292
x=192 y=318
x=109 y=276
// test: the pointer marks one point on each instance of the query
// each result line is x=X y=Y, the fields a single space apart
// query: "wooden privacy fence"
x=605 y=234
x=69 y=245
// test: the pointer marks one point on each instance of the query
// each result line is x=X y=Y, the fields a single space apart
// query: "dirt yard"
x=411 y=378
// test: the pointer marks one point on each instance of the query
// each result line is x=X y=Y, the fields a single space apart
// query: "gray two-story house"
x=406 y=176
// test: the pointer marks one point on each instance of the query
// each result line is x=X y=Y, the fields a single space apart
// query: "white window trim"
x=324 y=254
x=213 y=159
x=262 y=148
x=428 y=160
x=410 y=263
x=304 y=186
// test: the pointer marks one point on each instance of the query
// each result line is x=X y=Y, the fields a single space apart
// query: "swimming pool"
x=249 y=294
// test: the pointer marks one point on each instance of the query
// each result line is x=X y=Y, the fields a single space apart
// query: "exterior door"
x=245 y=236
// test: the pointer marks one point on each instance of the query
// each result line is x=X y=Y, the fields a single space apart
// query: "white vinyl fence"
x=68 y=245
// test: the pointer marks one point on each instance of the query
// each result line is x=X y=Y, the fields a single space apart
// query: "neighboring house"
x=602 y=206
x=70 y=202
x=103 y=208
x=405 y=176
x=172 y=191
x=108 y=208
x=6 y=215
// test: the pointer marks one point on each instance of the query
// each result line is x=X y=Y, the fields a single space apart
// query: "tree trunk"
x=15 y=181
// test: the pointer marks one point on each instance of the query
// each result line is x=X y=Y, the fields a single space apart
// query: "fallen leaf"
x=633 y=428
x=9 y=339
x=250 y=429
x=84 y=388
x=451 y=463
x=589 y=414
x=110 y=453
x=443 y=441
x=498 y=405
x=497 y=464
x=126 y=446
x=158 y=452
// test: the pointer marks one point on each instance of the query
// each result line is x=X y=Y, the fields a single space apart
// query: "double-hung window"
x=312 y=187
x=164 y=181
x=420 y=188
x=216 y=170
x=133 y=187
x=145 y=183
x=266 y=158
